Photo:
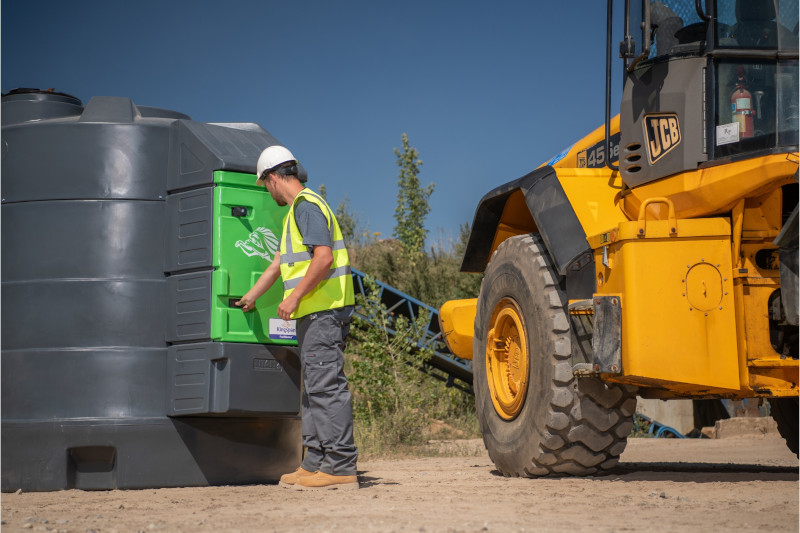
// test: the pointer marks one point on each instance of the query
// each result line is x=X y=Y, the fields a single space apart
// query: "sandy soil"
x=736 y=484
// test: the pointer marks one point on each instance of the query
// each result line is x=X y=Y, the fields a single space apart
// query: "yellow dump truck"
x=656 y=256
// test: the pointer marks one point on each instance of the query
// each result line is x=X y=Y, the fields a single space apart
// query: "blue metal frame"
x=399 y=303
x=659 y=430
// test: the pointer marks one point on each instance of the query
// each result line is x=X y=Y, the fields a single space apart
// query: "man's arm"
x=262 y=285
x=320 y=265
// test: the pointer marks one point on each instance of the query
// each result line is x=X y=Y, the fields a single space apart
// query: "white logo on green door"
x=262 y=242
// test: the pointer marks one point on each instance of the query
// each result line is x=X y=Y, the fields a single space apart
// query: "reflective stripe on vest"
x=336 y=288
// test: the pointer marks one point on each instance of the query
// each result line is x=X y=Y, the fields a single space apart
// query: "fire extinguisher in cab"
x=742 y=106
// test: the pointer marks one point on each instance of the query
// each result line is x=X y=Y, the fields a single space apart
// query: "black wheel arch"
x=550 y=214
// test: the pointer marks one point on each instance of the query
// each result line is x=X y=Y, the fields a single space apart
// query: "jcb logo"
x=663 y=133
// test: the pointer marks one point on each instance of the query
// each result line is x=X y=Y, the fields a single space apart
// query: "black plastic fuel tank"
x=89 y=366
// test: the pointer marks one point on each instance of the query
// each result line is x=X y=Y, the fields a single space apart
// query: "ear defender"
x=288 y=171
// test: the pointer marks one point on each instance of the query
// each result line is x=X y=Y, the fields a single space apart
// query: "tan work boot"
x=289 y=480
x=321 y=480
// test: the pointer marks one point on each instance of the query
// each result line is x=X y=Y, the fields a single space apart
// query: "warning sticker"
x=728 y=133
x=282 y=329
x=560 y=156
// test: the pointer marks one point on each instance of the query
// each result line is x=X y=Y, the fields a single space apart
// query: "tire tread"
x=585 y=425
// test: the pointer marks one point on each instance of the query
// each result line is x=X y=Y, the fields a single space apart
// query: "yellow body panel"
x=693 y=323
x=515 y=220
x=457 y=322
x=678 y=317
x=716 y=189
x=593 y=194
x=763 y=369
x=570 y=160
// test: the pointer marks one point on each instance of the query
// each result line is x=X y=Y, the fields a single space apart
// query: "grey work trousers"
x=327 y=409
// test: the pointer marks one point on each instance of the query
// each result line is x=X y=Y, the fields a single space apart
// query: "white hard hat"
x=271 y=157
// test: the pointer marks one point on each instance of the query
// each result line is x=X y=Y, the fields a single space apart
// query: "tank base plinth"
x=147 y=452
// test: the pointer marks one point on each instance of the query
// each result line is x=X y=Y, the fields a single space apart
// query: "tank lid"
x=26 y=105
x=40 y=95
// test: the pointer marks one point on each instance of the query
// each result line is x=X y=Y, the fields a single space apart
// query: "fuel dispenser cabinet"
x=127 y=234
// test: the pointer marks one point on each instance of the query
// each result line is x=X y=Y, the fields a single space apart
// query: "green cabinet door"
x=246 y=234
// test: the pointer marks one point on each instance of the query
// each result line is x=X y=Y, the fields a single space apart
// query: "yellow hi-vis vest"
x=336 y=289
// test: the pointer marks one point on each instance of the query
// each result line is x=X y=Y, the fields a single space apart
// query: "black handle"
x=238 y=211
x=232 y=303
x=698 y=6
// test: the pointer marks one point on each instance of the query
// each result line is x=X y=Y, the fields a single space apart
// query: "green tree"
x=348 y=222
x=394 y=402
x=412 y=201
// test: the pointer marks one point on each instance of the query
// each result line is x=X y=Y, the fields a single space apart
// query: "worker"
x=318 y=294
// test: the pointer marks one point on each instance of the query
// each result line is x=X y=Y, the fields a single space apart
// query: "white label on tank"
x=282 y=329
x=742 y=103
x=728 y=133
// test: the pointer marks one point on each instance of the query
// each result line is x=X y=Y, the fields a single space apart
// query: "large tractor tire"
x=785 y=413
x=538 y=419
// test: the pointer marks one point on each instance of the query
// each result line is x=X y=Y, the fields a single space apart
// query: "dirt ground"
x=733 y=484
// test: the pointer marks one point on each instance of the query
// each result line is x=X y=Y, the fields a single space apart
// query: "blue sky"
x=486 y=91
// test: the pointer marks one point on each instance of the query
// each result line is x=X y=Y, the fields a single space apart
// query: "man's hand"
x=246 y=303
x=288 y=306
x=320 y=265
x=265 y=281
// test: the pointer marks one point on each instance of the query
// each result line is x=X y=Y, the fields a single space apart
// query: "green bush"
x=641 y=428
x=396 y=396
x=432 y=277
x=399 y=401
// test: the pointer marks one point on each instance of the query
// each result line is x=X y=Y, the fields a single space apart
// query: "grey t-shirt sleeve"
x=312 y=225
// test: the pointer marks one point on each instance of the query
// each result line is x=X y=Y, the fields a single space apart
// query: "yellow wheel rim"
x=507 y=359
